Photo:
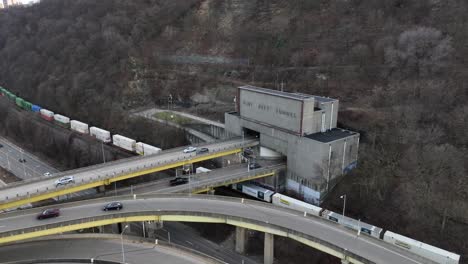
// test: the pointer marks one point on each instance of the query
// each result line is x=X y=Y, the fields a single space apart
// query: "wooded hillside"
x=399 y=68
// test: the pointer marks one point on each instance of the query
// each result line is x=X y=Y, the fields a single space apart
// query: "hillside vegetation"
x=397 y=66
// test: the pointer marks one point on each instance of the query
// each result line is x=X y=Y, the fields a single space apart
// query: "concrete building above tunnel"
x=303 y=128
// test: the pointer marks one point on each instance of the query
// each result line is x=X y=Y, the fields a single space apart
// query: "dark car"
x=254 y=166
x=248 y=151
x=178 y=181
x=1 y=146
x=22 y=160
x=113 y=206
x=202 y=150
x=49 y=213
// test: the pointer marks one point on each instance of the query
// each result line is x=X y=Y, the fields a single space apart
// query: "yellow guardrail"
x=181 y=218
x=204 y=189
x=35 y=197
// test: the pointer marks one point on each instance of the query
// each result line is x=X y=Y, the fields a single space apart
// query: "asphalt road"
x=372 y=249
x=99 y=249
x=150 y=115
x=112 y=168
x=10 y=154
x=213 y=178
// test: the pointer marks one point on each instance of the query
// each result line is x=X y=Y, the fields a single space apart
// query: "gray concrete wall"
x=307 y=161
x=232 y=123
x=317 y=122
x=331 y=113
x=311 y=165
x=274 y=110
x=308 y=126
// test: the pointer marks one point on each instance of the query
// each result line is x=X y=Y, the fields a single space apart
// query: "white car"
x=47 y=174
x=190 y=149
x=65 y=180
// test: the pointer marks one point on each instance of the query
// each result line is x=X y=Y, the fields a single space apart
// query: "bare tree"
x=420 y=52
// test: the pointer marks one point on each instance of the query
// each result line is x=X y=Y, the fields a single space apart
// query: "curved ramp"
x=313 y=231
x=102 y=249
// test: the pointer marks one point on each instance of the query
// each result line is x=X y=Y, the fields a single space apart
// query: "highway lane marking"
x=330 y=227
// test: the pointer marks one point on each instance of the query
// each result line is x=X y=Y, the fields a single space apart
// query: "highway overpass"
x=42 y=188
x=313 y=231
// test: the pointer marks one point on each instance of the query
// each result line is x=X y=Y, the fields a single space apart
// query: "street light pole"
x=344 y=202
x=121 y=240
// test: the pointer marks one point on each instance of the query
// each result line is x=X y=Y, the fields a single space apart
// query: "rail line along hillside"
x=66 y=122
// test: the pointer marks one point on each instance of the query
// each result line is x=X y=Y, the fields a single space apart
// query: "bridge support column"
x=240 y=240
x=100 y=189
x=151 y=228
x=268 y=253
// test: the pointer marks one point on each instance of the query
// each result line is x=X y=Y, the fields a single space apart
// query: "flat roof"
x=318 y=98
x=331 y=135
x=295 y=96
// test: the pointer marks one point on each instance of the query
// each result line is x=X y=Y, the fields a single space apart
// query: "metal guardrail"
x=229 y=180
x=247 y=141
x=107 y=176
x=118 y=215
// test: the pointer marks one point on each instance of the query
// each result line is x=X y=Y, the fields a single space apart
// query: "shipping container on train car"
x=422 y=249
x=124 y=142
x=254 y=191
x=11 y=96
x=19 y=101
x=294 y=204
x=47 y=115
x=357 y=225
x=145 y=149
x=100 y=134
x=79 y=127
x=62 y=120
x=27 y=106
x=36 y=108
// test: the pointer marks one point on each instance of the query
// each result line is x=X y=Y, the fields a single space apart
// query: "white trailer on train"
x=357 y=225
x=100 y=134
x=422 y=249
x=254 y=191
x=294 y=204
x=62 y=120
x=124 y=142
x=80 y=127
x=145 y=149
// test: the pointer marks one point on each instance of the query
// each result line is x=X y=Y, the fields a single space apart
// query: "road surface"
x=106 y=248
x=113 y=169
x=152 y=111
x=260 y=214
x=149 y=114
x=10 y=154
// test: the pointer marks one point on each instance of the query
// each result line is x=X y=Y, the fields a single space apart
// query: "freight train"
x=82 y=128
x=427 y=251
